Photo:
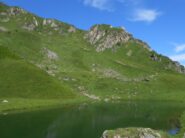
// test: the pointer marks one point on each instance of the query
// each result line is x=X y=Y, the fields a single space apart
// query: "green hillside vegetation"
x=45 y=62
x=50 y=58
x=26 y=86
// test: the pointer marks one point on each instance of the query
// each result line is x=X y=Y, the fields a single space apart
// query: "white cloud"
x=135 y=7
x=131 y=2
x=99 y=4
x=180 y=57
x=146 y=15
x=179 y=47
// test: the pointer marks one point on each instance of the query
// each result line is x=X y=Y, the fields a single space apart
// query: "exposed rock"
x=48 y=62
x=3 y=13
x=5 y=101
x=144 y=44
x=3 y=29
x=93 y=97
x=133 y=133
x=110 y=73
x=129 y=53
x=106 y=37
x=50 y=22
x=13 y=11
x=154 y=57
x=35 y=21
x=32 y=25
x=47 y=21
x=54 y=25
x=29 y=26
x=4 y=20
x=106 y=100
x=85 y=93
x=176 y=66
x=50 y=54
x=72 y=29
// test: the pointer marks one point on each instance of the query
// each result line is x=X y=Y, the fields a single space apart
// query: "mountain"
x=45 y=59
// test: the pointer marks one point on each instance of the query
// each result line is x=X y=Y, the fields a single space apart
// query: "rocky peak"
x=59 y=26
x=31 y=22
x=105 y=36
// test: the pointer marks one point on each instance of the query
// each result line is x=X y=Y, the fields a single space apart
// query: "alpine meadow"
x=59 y=81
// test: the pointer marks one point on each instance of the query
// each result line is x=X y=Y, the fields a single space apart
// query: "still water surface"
x=90 y=120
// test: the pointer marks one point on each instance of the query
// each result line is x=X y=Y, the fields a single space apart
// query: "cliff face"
x=106 y=37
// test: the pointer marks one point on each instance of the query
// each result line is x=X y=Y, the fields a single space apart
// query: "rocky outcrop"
x=31 y=25
x=155 y=57
x=32 y=22
x=106 y=37
x=144 y=44
x=13 y=11
x=52 y=23
x=133 y=133
x=49 y=54
x=58 y=26
x=176 y=66
x=3 y=29
x=72 y=29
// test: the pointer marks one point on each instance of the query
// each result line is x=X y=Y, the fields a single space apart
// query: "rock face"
x=31 y=22
x=133 y=133
x=105 y=37
x=13 y=11
x=50 y=54
x=176 y=66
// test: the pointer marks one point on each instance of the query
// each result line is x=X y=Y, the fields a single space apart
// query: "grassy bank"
x=22 y=104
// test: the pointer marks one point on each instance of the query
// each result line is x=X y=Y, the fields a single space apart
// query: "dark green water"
x=89 y=121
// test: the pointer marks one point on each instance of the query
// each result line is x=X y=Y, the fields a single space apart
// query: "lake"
x=90 y=120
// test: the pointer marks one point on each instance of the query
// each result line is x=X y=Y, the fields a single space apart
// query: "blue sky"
x=161 y=23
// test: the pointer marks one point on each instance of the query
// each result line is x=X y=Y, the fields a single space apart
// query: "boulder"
x=134 y=133
x=5 y=101
x=3 y=29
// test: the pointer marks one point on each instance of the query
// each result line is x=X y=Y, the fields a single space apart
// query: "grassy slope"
x=77 y=60
x=26 y=86
x=132 y=77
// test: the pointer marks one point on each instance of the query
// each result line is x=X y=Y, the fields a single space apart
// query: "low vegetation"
x=44 y=62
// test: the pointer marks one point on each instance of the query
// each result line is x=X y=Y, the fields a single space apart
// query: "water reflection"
x=90 y=120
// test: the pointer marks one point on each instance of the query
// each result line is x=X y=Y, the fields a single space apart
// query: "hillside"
x=51 y=60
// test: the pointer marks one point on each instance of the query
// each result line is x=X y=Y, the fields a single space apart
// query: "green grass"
x=134 y=77
x=30 y=104
x=26 y=86
x=111 y=74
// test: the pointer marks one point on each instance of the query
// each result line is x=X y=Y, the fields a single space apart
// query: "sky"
x=160 y=23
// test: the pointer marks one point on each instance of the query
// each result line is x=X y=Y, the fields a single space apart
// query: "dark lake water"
x=90 y=120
